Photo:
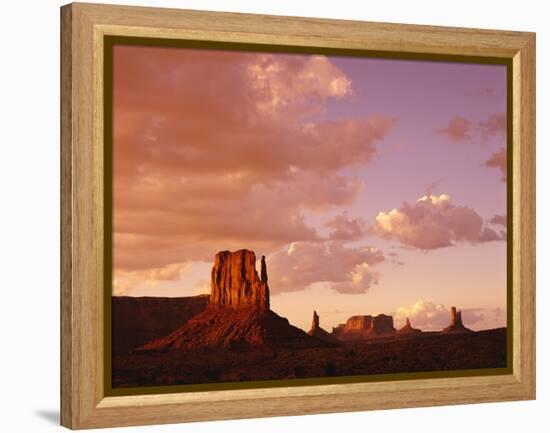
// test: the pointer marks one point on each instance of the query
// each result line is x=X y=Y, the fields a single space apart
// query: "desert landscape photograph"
x=281 y=216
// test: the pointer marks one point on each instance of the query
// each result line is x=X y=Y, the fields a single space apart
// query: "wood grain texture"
x=83 y=400
x=67 y=394
x=524 y=215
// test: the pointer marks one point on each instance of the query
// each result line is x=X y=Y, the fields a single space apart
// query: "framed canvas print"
x=273 y=216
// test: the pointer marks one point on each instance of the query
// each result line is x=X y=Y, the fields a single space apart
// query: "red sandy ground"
x=401 y=354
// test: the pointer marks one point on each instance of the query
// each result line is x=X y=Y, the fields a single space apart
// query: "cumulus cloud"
x=423 y=314
x=345 y=228
x=433 y=222
x=231 y=164
x=498 y=160
x=458 y=129
x=462 y=129
x=193 y=220
x=499 y=220
x=346 y=269
x=494 y=125
x=126 y=280
x=172 y=124
x=290 y=84
x=430 y=316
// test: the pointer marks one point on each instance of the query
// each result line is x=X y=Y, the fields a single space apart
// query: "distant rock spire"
x=408 y=329
x=315 y=322
x=318 y=332
x=456 y=326
x=263 y=273
x=459 y=319
x=453 y=316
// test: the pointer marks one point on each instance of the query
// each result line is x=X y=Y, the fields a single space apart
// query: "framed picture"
x=270 y=216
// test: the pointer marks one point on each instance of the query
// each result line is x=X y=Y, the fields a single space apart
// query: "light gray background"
x=29 y=216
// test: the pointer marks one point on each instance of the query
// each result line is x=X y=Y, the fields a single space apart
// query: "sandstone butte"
x=235 y=282
x=238 y=314
x=456 y=326
x=362 y=327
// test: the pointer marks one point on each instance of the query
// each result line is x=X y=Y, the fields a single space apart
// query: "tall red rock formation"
x=456 y=326
x=320 y=333
x=238 y=315
x=408 y=329
x=235 y=281
x=362 y=327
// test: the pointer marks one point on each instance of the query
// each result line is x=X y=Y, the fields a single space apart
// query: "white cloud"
x=345 y=229
x=430 y=316
x=434 y=222
x=124 y=281
x=345 y=269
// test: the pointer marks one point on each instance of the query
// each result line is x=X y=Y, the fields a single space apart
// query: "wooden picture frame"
x=84 y=403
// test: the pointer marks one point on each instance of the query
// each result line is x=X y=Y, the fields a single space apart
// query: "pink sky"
x=371 y=185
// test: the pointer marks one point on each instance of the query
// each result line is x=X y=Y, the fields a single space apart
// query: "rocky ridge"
x=137 y=320
x=238 y=314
